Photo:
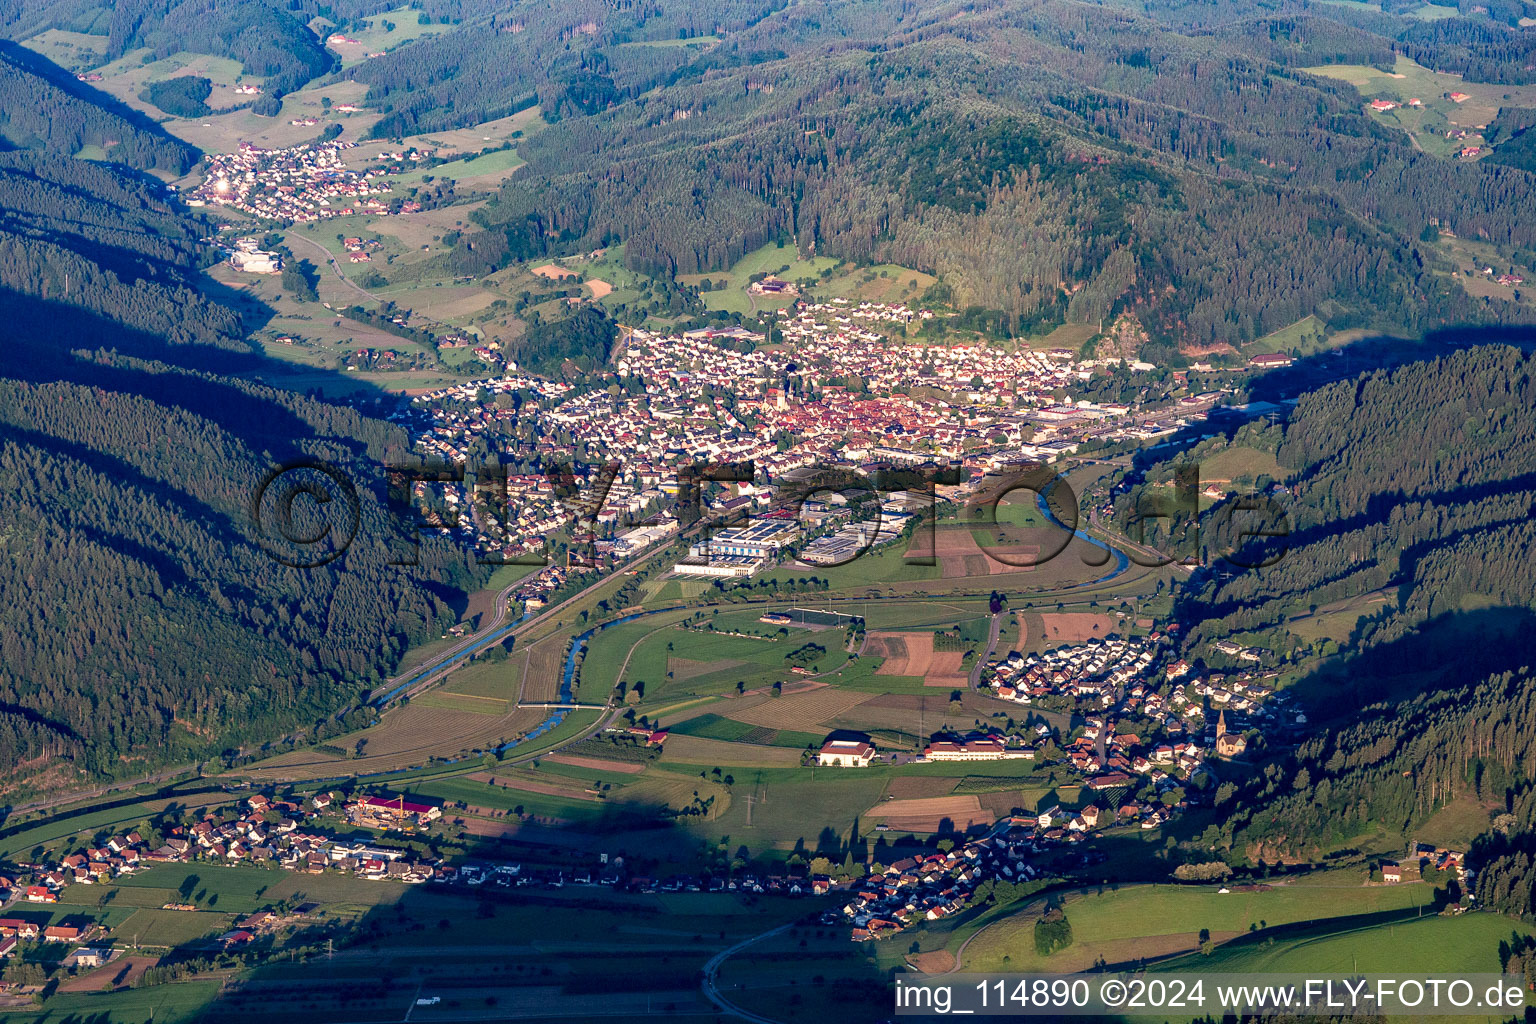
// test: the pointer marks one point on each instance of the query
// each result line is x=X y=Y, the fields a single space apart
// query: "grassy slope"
x=1153 y=920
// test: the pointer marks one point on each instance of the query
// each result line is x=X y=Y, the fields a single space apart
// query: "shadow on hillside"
x=639 y=947
x=41 y=338
x=68 y=83
x=1450 y=652
x=1344 y=362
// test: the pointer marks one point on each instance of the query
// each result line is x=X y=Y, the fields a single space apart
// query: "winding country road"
x=981 y=662
x=325 y=254
x=710 y=983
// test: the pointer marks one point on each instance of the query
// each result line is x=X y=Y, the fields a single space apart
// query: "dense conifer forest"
x=42 y=107
x=143 y=624
x=1430 y=698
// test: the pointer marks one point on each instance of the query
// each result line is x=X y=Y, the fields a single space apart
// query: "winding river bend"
x=568 y=675
x=1122 y=561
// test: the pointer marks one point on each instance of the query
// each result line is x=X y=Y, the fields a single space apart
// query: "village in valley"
x=813 y=617
x=859 y=694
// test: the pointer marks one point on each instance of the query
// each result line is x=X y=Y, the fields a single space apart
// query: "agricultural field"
x=1041 y=631
x=384 y=32
x=407 y=737
x=906 y=720
x=701 y=750
x=127 y=76
x=1068 y=336
x=885 y=282
x=476 y=173
x=172 y=928
x=1137 y=922
x=49 y=836
x=615 y=653
x=1005 y=523
x=913 y=654
x=226 y=127
x=487 y=685
x=1473 y=258
x=169 y=1004
x=807 y=709
x=211 y=886
x=666 y=662
x=72 y=51
x=960 y=556
x=931 y=814
x=1304 y=337
x=1056 y=564
x=1466 y=943
x=1337 y=619
x=585 y=800
x=1240 y=467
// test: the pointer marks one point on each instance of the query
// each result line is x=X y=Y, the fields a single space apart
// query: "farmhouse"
x=773 y=286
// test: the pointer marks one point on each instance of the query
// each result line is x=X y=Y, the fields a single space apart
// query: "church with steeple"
x=1228 y=744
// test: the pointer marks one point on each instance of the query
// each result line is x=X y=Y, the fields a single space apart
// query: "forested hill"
x=1050 y=159
x=1435 y=525
x=264 y=38
x=143 y=624
x=267 y=39
x=573 y=58
x=44 y=107
x=1413 y=488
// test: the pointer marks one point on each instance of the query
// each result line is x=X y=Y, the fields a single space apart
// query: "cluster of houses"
x=936 y=885
x=268 y=830
x=1151 y=721
x=359 y=249
x=1095 y=669
x=913 y=890
x=1508 y=280
x=301 y=185
x=1422 y=856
